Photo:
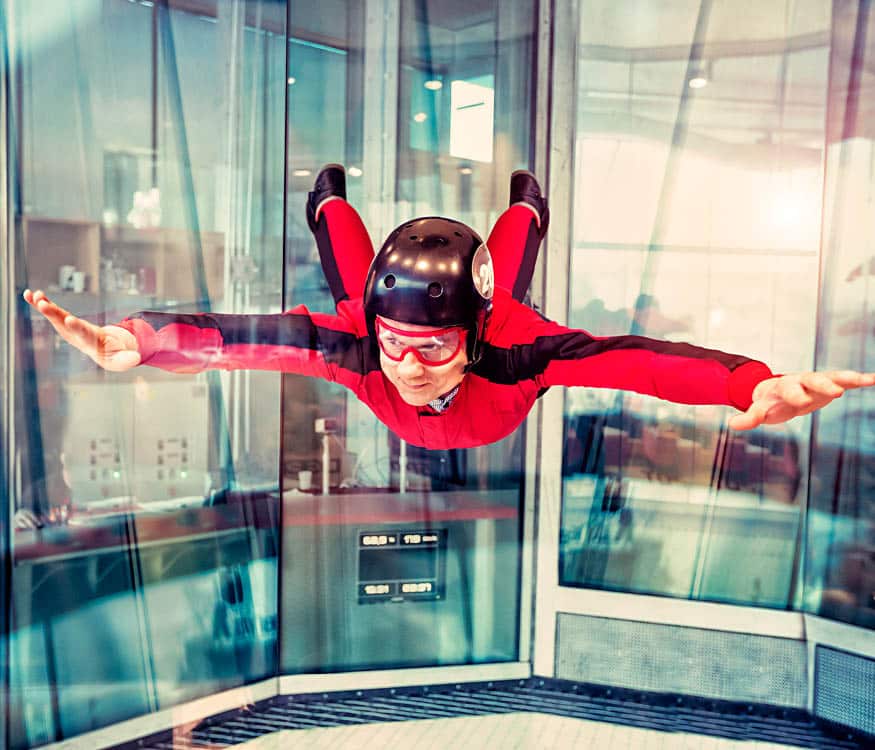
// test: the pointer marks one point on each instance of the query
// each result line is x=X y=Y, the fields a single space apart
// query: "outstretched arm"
x=298 y=341
x=781 y=398
x=683 y=373
x=524 y=346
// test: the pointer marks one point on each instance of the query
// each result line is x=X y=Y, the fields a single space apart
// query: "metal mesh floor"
x=644 y=710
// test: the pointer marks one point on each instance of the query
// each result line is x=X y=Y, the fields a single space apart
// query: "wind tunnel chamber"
x=223 y=538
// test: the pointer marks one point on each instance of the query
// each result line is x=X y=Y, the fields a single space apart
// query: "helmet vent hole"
x=435 y=289
x=413 y=238
x=458 y=234
x=389 y=281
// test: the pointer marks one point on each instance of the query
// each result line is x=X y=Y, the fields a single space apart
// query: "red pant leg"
x=513 y=243
x=345 y=249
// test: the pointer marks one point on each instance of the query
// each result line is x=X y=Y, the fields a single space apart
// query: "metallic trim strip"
x=689 y=613
x=389 y=678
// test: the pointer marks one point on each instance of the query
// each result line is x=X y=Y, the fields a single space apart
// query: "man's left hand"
x=781 y=398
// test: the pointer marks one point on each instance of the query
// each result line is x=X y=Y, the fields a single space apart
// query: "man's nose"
x=410 y=365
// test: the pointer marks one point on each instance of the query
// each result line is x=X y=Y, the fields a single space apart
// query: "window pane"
x=144 y=551
x=697 y=218
x=840 y=555
x=373 y=577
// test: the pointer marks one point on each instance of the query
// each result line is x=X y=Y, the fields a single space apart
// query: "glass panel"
x=324 y=83
x=840 y=555
x=374 y=577
x=144 y=555
x=466 y=86
x=696 y=218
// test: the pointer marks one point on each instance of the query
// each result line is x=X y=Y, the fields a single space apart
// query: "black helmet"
x=432 y=271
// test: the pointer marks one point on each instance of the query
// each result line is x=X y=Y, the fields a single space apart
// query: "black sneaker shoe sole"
x=524 y=188
x=331 y=181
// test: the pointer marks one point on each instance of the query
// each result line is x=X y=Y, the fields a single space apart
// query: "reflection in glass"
x=465 y=100
x=351 y=605
x=840 y=552
x=697 y=218
x=144 y=555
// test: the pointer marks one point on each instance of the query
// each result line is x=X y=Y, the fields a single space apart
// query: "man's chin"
x=414 y=397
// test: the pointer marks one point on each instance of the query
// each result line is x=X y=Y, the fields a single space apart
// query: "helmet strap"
x=477 y=346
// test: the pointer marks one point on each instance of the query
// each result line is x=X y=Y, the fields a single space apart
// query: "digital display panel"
x=395 y=566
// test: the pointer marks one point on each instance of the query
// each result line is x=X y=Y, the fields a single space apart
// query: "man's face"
x=417 y=382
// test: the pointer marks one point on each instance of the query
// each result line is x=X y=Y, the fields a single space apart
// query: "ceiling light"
x=420 y=117
x=466 y=170
x=354 y=172
x=291 y=80
x=434 y=84
x=302 y=173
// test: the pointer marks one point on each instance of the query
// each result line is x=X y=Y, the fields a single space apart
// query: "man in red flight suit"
x=432 y=334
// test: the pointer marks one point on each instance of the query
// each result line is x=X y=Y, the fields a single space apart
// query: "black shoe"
x=331 y=181
x=524 y=188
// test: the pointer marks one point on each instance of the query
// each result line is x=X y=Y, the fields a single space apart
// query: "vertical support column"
x=554 y=157
x=230 y=17
x=534 y=423
x=382 y=40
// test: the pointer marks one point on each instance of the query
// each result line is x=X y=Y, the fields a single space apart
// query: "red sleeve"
x=297 y=341
x=681 y=373
x=526 y=346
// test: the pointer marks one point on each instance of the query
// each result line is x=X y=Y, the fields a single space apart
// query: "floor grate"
x=661 y=712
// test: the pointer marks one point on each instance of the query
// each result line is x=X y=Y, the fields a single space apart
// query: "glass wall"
x=144 y=555
x=698 y=187
x=413 y=557
x=161 y=153
x=171 y=535
x=723 y=197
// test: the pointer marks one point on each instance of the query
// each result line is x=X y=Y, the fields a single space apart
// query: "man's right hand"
x=111 y=347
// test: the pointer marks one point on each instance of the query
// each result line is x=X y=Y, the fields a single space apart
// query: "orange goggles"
x=432 y=348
